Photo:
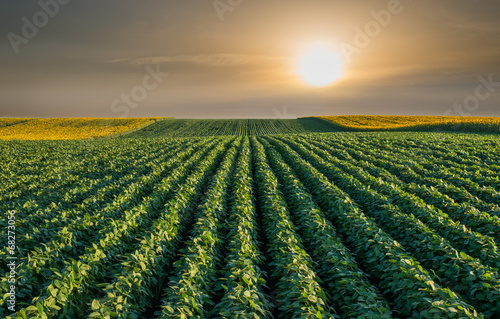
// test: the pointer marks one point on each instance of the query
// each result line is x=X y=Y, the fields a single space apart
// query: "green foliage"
x=190 y=128
x=299 y=292
x=336 y=266
x=350 y=225
x=412 y=287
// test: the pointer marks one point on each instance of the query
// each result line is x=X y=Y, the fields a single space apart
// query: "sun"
x=319 y=65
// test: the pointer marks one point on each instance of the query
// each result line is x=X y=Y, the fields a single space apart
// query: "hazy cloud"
x=218 y=59
x=426 y=59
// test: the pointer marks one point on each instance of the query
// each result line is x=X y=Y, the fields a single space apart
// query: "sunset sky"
x=238 y=59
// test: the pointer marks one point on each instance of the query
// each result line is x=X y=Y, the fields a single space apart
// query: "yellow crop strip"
x=11 y=121
x=395 y=122
x=68 y=128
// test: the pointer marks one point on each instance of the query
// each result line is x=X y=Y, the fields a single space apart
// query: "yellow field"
x=67 y=128
x=11 y=121
x=399 y=122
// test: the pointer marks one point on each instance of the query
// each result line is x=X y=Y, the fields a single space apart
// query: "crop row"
x=411 y=288
x=454 y=268
x=281 y=226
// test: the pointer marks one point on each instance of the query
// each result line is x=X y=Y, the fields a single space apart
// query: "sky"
x=238 y=58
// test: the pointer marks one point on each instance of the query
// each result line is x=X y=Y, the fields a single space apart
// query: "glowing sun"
x=319 y=65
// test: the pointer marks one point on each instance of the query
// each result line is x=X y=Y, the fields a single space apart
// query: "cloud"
x=214 y=60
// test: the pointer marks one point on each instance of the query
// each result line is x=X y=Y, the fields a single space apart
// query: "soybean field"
x=244 y=127
x=330 y=225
